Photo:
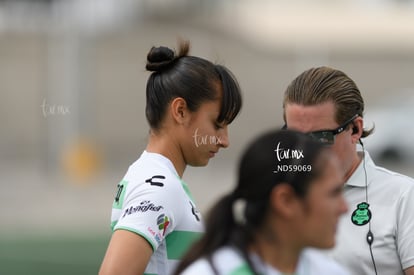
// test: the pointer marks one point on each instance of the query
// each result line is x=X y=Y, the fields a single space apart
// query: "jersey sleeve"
x=405 y=228
x=148 y=210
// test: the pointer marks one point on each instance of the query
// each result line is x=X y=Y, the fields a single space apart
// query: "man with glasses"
x=376 y=236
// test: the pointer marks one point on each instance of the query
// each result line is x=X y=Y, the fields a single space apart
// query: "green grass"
x=52 y=255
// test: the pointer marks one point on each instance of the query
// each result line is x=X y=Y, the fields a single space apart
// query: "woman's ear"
x=284 y=201
x=179 y=110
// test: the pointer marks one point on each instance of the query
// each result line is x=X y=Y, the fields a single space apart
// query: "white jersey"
x=390 y=210
x=228 y=261
x=154 y=203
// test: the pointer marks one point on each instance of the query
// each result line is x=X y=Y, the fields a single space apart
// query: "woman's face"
x=204 y=135
x=323 y=205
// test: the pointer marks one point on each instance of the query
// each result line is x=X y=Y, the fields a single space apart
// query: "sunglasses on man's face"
x=328 y=136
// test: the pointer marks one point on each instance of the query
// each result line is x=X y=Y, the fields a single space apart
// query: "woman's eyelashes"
x=218 y=125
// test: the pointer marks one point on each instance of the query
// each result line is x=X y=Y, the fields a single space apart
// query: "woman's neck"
x=280 y=254
x=166 y=146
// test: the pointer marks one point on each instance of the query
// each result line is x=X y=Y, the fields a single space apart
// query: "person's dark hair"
x=192 y=78
x=258 y=172
x=324 y=84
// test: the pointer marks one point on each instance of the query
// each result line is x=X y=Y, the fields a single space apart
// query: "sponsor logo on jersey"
x=157 y=236
x=194 y=211
x=163 y=222
x=154 y=181
x=144 y=206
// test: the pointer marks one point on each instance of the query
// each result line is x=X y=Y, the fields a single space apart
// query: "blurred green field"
x=52 y=255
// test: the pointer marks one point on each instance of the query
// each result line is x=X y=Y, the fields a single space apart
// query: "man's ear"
x=284 y=200
x=179 y=110
x=357 y=128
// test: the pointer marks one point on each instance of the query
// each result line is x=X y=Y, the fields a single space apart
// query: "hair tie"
x=239 y=210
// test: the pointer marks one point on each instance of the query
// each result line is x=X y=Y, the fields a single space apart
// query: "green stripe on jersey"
x=113 y=225
x=178 y=242
x=119 y=197
x=244 y=269
x=186 y=189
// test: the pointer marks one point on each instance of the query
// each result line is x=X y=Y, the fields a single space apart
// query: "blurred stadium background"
x=72 y=98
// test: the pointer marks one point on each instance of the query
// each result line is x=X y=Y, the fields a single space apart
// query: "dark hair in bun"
x=160 y=58
x=192 y=78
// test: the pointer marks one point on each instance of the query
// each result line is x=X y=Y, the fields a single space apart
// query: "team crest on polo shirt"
x=361 y=215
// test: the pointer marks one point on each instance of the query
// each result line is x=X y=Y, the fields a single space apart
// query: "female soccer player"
x=288 y=198
x=190 y=103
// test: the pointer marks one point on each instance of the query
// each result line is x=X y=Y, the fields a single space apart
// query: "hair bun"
x=159 y=58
